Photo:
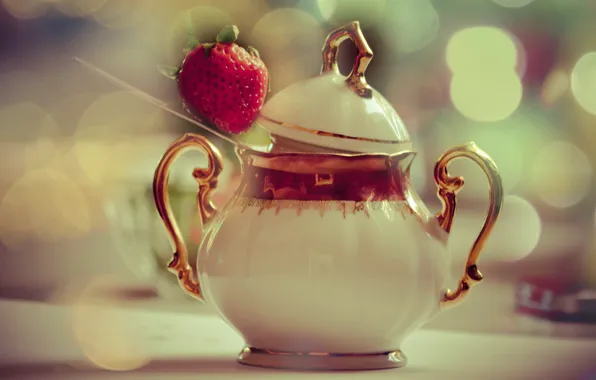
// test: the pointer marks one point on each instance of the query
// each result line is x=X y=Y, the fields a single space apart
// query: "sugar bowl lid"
x=337 y=112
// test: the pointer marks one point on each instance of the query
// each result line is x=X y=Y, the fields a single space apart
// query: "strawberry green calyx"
x=192 y=42
x=229 y=34
x=170 y=72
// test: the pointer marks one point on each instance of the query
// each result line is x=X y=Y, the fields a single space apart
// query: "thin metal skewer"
x=153 y=100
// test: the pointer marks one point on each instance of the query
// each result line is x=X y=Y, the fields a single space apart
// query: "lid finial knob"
x=356 y=80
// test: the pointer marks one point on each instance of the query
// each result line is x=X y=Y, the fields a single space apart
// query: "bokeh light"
x=561 y=174
x=485 y=86
x=513 y=3
x=327 y=8
x=25 y=9
x=583 y=82
x=412 y=26
x=68 y=110
x=116 y=14
x=25 y=86
x=109 y=339
x=79 y=8
x=99 y=161
x=482 y=50
x=486 y=97
x=26 y=121
x=43 y=153
x=286 y=27
x=290 y=40
x=370 y=11
x=114 y=114
x=45 y=203
x=520 y=225
x=555 y=86
x=512 y=144
x=202 y=21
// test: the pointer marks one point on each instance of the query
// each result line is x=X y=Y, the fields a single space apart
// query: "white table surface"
x=41 y=341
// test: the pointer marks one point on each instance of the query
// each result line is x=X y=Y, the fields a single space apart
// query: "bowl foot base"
x=315 y=361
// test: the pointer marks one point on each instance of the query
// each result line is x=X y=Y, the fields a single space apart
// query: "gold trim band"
x=321 y=361
x=345 y=207
x=330 y=134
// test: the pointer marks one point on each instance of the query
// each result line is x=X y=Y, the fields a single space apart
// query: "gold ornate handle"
x=356 y=80
x=207 y=180
x=447 y=189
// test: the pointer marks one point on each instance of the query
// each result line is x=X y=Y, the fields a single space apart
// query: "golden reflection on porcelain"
x=323 y=179
x=448 y=187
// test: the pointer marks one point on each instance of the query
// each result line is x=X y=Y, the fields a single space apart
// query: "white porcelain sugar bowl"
x=326 y=257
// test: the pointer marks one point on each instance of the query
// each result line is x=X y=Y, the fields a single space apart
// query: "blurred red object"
x=8 y=27
x=540 y=54
x=540 y=297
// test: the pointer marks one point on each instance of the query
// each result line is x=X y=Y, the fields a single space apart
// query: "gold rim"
x=321 y=361
x=330 y=134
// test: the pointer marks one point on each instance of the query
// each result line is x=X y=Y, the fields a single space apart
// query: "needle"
x=156 y=102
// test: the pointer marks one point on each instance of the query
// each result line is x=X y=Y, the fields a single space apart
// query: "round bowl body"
x=324 y=254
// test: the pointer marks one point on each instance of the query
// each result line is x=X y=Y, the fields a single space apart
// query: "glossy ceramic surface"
x=337 y=112
x=343 y=282
x=323 y=250
x=296 y=112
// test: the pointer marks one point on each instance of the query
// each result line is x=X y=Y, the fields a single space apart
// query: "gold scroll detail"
x=207 y=179
x=356 y=80
x=448 y=187
x=323 y=179
x=323 y=206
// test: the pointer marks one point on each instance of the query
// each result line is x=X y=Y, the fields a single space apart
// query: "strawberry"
x=222 y=83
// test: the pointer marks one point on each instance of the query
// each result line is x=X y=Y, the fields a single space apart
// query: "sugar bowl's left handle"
x=207 y=180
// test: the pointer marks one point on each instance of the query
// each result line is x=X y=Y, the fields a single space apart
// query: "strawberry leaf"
x=192 y=42
x=170 y=72
x=228 y=34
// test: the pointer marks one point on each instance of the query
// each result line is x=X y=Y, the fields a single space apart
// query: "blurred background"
x=518 y=77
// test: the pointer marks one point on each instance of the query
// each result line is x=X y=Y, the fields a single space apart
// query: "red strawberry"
x=222 y=83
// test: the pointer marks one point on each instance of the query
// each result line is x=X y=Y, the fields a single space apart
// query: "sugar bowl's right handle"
x=447 y=189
